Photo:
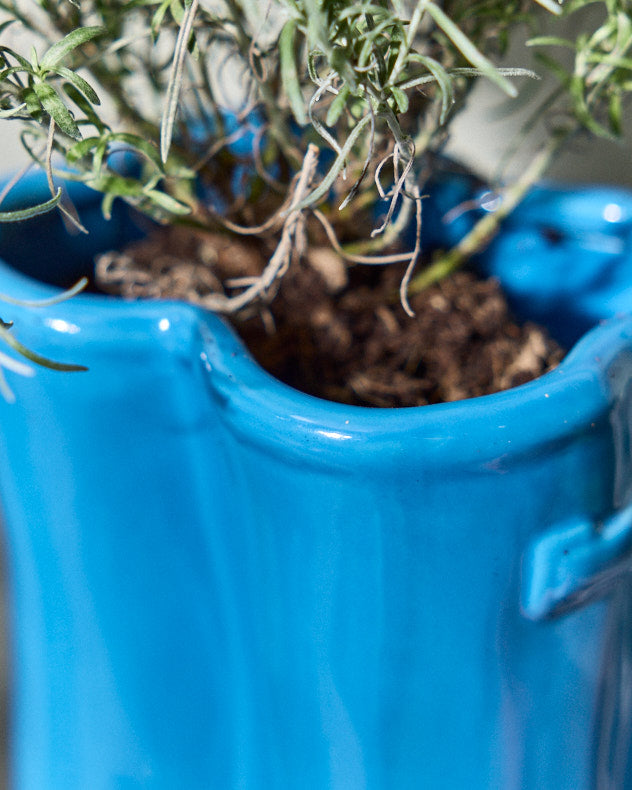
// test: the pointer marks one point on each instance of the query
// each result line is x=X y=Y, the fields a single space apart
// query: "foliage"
x=367 y=88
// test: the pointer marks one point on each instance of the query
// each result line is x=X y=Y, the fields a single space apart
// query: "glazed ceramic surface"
x=217 y=582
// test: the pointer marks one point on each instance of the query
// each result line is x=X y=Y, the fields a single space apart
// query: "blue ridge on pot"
x=219 y=582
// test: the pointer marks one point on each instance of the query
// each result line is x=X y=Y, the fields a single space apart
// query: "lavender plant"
x=333 y=104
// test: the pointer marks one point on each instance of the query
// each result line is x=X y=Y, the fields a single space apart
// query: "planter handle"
x=574 y=562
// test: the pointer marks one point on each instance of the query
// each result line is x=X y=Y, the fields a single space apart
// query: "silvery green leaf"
x=16 y=56
x=289 y=72
x=56 y=54
x=438 y=74
x=337 y=106
x=166 y=202
x=158 y=18
x=468 y=50
x=401 y=99
x=81 y=149
x=175 y=79
x=32 y=211
x=12 y=111
x=80 y=84
x=115 y=185
x=139 y=144
x=57 y=110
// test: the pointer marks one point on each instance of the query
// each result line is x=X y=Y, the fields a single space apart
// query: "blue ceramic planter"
x=218 y=583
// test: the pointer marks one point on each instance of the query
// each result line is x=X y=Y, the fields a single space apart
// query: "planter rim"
x=95 y=330
x=571 y=398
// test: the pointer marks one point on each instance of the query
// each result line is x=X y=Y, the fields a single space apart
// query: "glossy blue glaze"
x=218 y=582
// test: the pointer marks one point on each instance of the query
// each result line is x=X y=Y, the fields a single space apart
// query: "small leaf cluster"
x=367 y=79
x=60 y=111
x=29 y=85
x=595 y=87
x=396 y=69
x=373 y=61
x=31 y=89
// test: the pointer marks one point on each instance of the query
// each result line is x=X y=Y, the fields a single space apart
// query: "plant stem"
x=487 y=227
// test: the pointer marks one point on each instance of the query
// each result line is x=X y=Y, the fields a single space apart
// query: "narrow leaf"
x=32 y=211
x=81 y=149
x=175 y=80
x=139 y=144
x=54 y=106
x=468 y=50
x=442 y=78
x=289 y=72
x=13 y=111
x=6 y=24
x=115 y=185
x=56 y=54
x=401 y=99
x=13 y=70
x=157 y=19
x=615 y=114
x=337 y=106
x=506 y=72
x=356 y=9
x=167 y=203
x=79 y=83
x=16 y=56
x=38 y=359
x=317 y=27
x=99 y=155
x=177 y=11
x=549 y=41
x=106 y=206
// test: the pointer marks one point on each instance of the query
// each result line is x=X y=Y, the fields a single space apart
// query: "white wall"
x=478 y=136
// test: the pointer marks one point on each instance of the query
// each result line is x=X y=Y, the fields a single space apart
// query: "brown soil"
x=344 y=336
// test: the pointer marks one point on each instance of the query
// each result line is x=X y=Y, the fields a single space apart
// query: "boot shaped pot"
x=217 y=582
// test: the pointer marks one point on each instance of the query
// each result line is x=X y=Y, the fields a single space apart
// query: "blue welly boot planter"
x=217 y=582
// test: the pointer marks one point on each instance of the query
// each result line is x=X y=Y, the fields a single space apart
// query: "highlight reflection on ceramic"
x=218 y=582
